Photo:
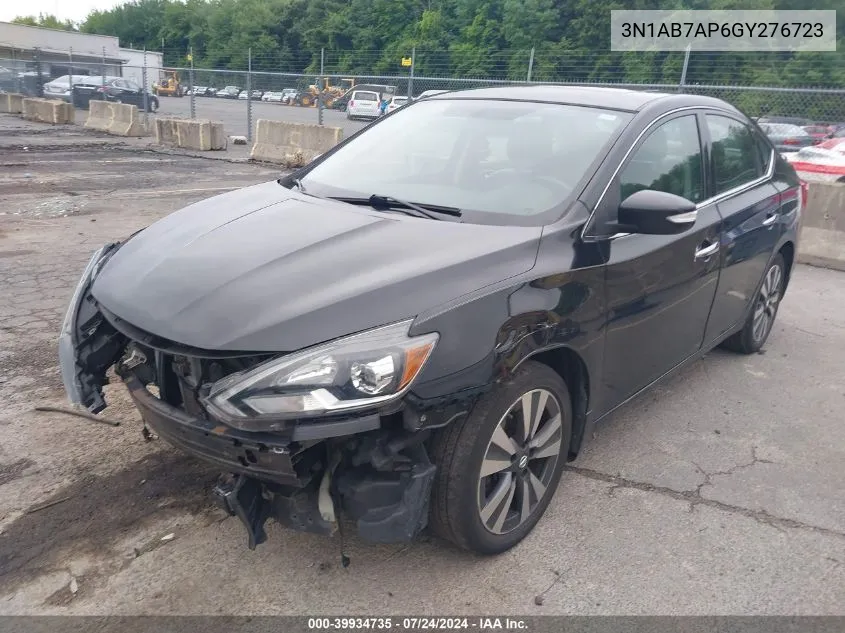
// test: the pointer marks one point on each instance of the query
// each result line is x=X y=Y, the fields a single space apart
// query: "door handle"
x=771 y=219
x=703 y=252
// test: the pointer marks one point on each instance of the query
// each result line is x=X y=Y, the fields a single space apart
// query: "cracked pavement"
x=721 y=492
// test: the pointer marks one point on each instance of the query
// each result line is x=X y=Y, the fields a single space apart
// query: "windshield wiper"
x=389 y=202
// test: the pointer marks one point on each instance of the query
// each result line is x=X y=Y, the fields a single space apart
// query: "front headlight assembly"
x=355 y=372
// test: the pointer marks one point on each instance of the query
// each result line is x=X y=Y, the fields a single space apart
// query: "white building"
x=26 y=50
x=134 y=62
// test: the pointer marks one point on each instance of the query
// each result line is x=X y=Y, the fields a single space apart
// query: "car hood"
x=267 y=269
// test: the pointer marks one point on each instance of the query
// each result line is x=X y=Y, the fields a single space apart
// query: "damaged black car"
x=420 y=327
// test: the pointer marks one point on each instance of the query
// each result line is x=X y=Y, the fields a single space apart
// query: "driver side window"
x=668 y=160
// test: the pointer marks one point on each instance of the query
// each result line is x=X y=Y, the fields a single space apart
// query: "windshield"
x=501 y=162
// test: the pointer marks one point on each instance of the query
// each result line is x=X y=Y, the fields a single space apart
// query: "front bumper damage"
x=378 y=478
x=372 y=468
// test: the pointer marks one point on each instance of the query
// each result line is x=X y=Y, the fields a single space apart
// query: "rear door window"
x=735 y=155
x=366 y=96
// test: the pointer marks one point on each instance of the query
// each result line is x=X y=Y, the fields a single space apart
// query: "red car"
x=820 y=133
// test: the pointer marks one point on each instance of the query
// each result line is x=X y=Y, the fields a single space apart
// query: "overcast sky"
x=75 y=10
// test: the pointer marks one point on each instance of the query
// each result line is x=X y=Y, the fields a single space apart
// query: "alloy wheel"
x=520 y=461
x=767 y=303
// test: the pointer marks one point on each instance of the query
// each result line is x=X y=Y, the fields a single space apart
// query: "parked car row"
x=80 y=89
x=367 y=104
x=286 y=96
x=791 y=134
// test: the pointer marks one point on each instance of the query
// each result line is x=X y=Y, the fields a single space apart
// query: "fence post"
x=191 y=85
x=411 y=76
x=39 y=83
x=70 y=73
x=249 y=98
x=530 y=64
x=321 y=86
x=684 y=70
x=103 y=76
x=144 y=85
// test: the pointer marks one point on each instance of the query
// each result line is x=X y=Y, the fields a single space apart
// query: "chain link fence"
x=315 y=89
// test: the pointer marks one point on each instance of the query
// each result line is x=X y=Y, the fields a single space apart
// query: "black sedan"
x=115 y=89
x=428 y=340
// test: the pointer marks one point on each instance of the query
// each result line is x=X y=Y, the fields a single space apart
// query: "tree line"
x=490 y=39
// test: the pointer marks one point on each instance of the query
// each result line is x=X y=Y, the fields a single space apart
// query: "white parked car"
x=59 y=88
x=364 y=104
x=272 y=97
x=396 y=102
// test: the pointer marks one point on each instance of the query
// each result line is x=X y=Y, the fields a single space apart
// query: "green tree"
x=47 y=21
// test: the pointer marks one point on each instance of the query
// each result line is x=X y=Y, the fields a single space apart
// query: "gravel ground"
x=719 y=493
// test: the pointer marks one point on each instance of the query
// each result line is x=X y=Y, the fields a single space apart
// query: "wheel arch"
x=570 y=366
x=787 y=250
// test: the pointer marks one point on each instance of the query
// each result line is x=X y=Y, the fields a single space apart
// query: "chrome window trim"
x=713 y=199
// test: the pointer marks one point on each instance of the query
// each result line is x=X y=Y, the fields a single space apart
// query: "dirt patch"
x=10 y=472
x=99 y=510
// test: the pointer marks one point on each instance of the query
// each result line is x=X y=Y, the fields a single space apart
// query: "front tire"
x=498 y=469
x=754 y=333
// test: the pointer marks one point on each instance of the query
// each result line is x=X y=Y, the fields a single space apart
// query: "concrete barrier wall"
x=292 y=144
x=11 y=102
x=822 y=238
x=197 y=134
x=48 y=111
x=118 y=119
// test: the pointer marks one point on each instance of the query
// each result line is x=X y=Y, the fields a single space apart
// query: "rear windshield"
x=500 y=162
x=365 y=96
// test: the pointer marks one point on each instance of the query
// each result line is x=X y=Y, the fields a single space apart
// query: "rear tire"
x=474 y=504
x=755 y=332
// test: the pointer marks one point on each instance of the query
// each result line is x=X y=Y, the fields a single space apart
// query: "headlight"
x=353 y=372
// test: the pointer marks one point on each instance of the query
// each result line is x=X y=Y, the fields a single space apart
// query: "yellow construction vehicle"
x=170 y=85
x=330 y=93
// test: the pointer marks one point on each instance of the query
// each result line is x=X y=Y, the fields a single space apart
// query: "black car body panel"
x=288 y=238
x=215 y=288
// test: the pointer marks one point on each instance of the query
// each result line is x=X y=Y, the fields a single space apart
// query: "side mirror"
x=656 y=213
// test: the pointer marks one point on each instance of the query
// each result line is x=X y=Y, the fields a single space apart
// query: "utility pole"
x=191 y=85
x=530 y=64
x=684 y=71
x=249 y=98
x=70 y=73
x=321 y=86
x=144 y=84
x=411 y=76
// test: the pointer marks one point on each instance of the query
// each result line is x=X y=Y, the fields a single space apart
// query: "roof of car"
x=599 y=97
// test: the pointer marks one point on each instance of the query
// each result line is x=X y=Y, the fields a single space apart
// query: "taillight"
x=805 y=192
x=351 y=104
x=791 y=141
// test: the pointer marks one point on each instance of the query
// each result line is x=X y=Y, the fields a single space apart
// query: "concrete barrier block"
x=292 y=144
x=822 y=238
x=197 y=134
x=51 y=111
x=11 y=102
x=118 y=119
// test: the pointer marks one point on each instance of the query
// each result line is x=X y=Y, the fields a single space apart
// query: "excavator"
x=170 y=85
